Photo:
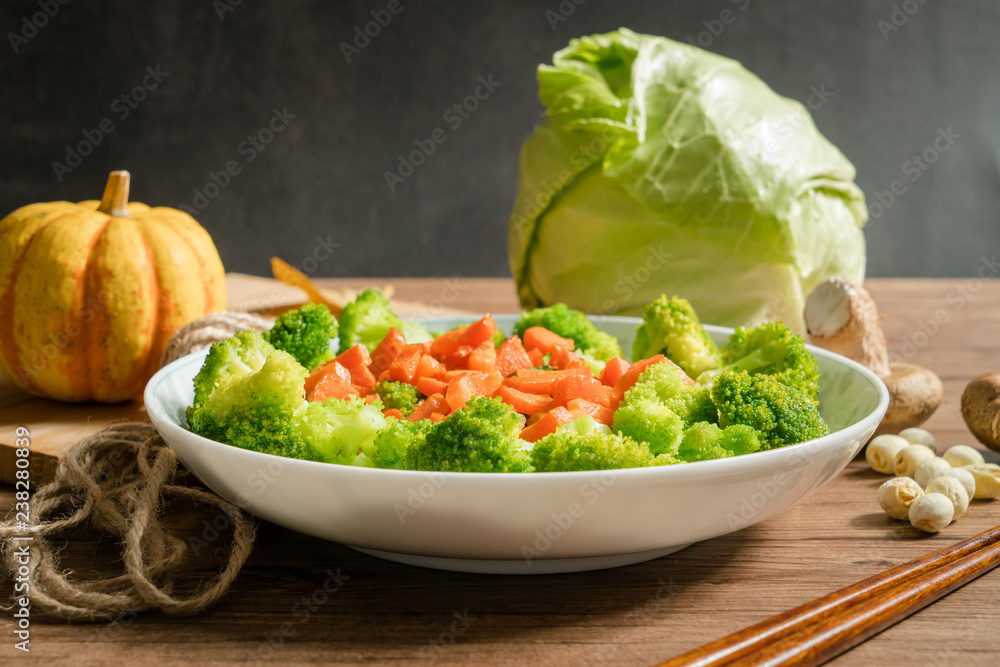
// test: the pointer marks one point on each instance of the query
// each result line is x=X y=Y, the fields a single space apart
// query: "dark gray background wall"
x=212 y=73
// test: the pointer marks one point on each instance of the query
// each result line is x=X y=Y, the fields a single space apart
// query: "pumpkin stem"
x=115 y=199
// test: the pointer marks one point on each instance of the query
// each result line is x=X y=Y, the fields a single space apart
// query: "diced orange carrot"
x=460 y=390
x=483 y=358
x=535 y=381
x=362 y=377
x=393 y=412
x=387 y=351
x=479 y=332
x=548 y=423
x=428 y=406
x=489 y=384
x=429 y=386
x=562 y=358
x=404 y=367
x=331 y=386
x=536 y=357
x=332 y=367
x=429 y=367
x=631 y=376
x=523 y=402
x=437 y=416
x=446 y=343
x=579 y=386
x=613 y=370
x=511 y=356
x=540 y=338
x=355 y=356
x=545 y=372
x=600 y=413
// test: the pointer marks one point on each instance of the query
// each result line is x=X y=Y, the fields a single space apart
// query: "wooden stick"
x=773 y=630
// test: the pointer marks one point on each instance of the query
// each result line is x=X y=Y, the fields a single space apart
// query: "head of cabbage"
x=663 y=168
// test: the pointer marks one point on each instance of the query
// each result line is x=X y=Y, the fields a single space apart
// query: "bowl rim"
x=687 y=471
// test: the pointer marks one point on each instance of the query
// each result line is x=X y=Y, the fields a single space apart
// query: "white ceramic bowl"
x=527 y=523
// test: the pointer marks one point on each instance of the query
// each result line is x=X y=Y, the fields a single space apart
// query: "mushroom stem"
x=115 y=199
x=841 y=317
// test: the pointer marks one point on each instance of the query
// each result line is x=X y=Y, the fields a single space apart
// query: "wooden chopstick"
x=818 y=630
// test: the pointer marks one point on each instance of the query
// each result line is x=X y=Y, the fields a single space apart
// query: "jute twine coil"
x=119 y=482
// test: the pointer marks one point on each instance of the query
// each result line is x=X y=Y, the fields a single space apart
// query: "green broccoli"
x=392 y=442
x=703 y=441
x=342 y=430
x=256 y=410
x=241 y=354
x=664 y=383
x=781 y=414
x=400 y=395
x=671 y=327
x=305 y=334
x=565 y=451
x=650 y=422
x=772 y=349
x=573 y=324
x=481 y=437
x=368 y=319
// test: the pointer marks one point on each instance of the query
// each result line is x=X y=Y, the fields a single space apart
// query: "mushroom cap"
x=915 y=393
x=981 y=409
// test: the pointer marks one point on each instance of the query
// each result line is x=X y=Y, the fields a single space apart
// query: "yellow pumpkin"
x=90 y=293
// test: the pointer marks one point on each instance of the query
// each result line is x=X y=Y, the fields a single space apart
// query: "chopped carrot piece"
x=479 y=332
x=446 y=343
x=331 y=386
x=536 y=356
x=547 y=424
x=489 y=384
x=562 y=358
x=544 y=372
x=579 y=386
x=355 y=356
x=437 y=416
x=387 y=351
x=334 y=368
x=429 y=367
x=613 y=370
x=393 y=412
x=511 y=357
x=540 y=338
x=483 y=357
x=429 y=386
x=600 y=413
x=428 y=406
x=523 y=402
x=631 y=376
x=460 y=390
x=361 y=376
x=535 y=381
x=404 y=367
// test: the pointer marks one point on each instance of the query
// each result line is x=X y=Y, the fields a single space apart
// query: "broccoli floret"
x=565 y=451
x=241 y=354
x=342 y=429
x=400 y=395
x=650 y=422
x=772 y=349
x=666 y=384
x=305 y=334
x=481 y=437
x=704 y=441
x=671 y=327
x=368 y=319
x=257 y=410
x=573 y=324
x=392 y=442
x=780 y=414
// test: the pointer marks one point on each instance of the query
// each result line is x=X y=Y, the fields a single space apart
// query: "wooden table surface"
x=638 y=615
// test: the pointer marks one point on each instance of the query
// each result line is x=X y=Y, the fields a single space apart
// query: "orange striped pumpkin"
x=90 y=293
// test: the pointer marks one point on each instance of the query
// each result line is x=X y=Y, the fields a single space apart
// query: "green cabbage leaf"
x=663 y=168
